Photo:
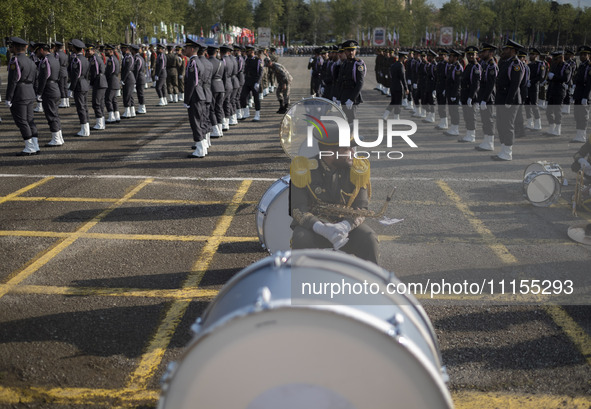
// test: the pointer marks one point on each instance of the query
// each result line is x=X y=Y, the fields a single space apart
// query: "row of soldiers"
x=50 y=77
x=420 y=79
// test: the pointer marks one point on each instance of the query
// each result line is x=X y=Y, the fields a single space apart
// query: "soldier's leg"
x=80 y=102
x=363 y=243
x=257 y=100
x=219 y=107
x=519 y=127
x=95 y=104
x=487 y=121
x=50 y=109
x=306 y=239
x=244 y=96
x=286 y=95
x=140 y=92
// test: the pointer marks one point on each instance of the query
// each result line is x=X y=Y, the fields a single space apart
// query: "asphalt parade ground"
x=112 y=246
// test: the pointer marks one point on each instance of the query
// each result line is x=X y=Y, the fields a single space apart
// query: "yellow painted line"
x=577 y=335
x=44 y=257
x=499 y=400
x=24 y=189
x=489 y=238
x=113 y=200
x=180 y=294
x=157 y=347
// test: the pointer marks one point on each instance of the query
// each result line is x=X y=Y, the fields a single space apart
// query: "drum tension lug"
x=263 y=299
x=397 y=320
x=196 y=327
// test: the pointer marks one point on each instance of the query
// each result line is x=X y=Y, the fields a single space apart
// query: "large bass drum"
x=273 y=219
x=264 y=343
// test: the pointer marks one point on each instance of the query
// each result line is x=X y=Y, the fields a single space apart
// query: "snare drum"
x=541 y=188
x=273 y=219
x=545 y=166
x=264 y=344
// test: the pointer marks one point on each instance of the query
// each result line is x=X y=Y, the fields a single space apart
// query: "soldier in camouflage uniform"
x=284 y=80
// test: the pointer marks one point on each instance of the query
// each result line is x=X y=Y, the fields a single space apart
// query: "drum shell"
x=541 y=188
x=545 y=166
x=272 y=218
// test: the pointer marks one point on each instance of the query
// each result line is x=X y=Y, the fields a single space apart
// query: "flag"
x=427 y=36
x=363 y=39
x=368 y=37
x=201 y=31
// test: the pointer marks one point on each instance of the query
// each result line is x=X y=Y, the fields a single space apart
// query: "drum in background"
x=272 y=218
x=541 y=188
x=264 y=344
x=545 y=166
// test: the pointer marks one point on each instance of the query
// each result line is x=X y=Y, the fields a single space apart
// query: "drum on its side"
x=545 y=166
x=541 y=188
x=264 y=344
x=272 y=218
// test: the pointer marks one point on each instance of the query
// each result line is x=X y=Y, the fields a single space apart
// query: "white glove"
x=386 y=114
x=572 y=89
x=584 y=101
x=469 y=102
x=585 y=166
x=408 y=82
x=334 y=99
x=335 y=233
x=507 y=106
x=414 y=86
x=322 y=90
x=311 y=59
x=483 y=105
x=434 y=94
x=256 y=87
x=122 y=83
x=443 y=93
x=39 y=99
x=551 y=75
x=155 y=78
x=349 y=104
x=187 y=106
x=8 y=104
x=453 y=99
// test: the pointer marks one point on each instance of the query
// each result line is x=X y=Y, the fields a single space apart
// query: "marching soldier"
x=233 y=118
x=182 y=67
x=452 y=91
x=160 y=74
x=270 y=73
x=315 y=64
x=205 y=80
x=470 y=87
x=569 y=59
x=127 y=81
x=350 y=80
x=20 y=95
x=398 y=86
x=441 y=68
x=284 y=80
x=238 y=49
x=253 y=72
x=486 y=95
x=79 y=69
x=173 y=63
x=582 y=84
x=537 y=75
x=511 y=72
x=98 y=82
x=558 y=79
x=231 y=70
x=218 y=90
x=519 y=125
x=112 y=71
x=139 y=73
x=48 y=91
x=63 y=73
x=430 y=69
x=419 y=85
x=379 y=69
x=195 y=98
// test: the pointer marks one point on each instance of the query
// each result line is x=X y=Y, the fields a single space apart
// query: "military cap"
x=455 y=52
x=431 y=53
x=317 y=50
x=267 y=60
x=36 y=46
x=487 y=47
x=249 y=47
x=275 y=49
x=109 y=47
x=471 y=49
x=557 y=53
x=522 y=52
x=191 y=43
x=212 y=48
x=134 y=47
x=58 y=43
x=226 y=47
x=78 y=44
x=350 y=45
x=323 y=50
x=442 y=51
x=512 y=44
x=568 y=51
x=584 y=49
x=178 y=47
x=160 y=45
x=403 y=53
x=90 y=46
x=423 y=52
x=238 y=47
x=171 y=46
x=534 y=51
x=123 y=45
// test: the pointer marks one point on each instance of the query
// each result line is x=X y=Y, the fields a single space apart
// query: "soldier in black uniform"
x=218 y=79
x=58 y=49
x=98 y=82
x=172 y=74
x=429 y=93
x=127 y=81
x=253 y=71
x=79 y=85
x=441 y=68
x=195 y=98
x=452 y=91
x=205 y=79
x=160 y=74
x=379 y=69
x=398 y=86
x=331 y=183
x=20 y=95
x=486 y=95
x=48 y=91
x=238 y=51
x=519 y=125
x=139 y=71
x=511 y=72
x=233 y=116
x=537 y=75
x=350 y=81
x=315 y=64
x=569 y=59
x=112 y=70
x=559 y=77
x=582 y=84
x=181 y=69
x=469 y=91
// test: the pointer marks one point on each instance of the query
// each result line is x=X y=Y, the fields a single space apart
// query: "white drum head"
x=273 y=219
x=542 y=188
x=304 y=358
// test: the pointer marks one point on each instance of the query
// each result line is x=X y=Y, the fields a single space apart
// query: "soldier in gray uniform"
x=181 y=69
x=63 y=73
x=218 y=91
x=160 y=74
x=20 y=95
x=350 y=81
x=233 y=118
x=139 y=71
x=253 y=72
x=469 y=91
x=205 y=79
x=582 y=84
x=195 y=98
x=48 y=91
x=231 y=70
x=127 y=81
x=98 y=82
x=398 y=86
x=284 y=80
x=112 y=71
x=240 y=63
x=79 y=85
